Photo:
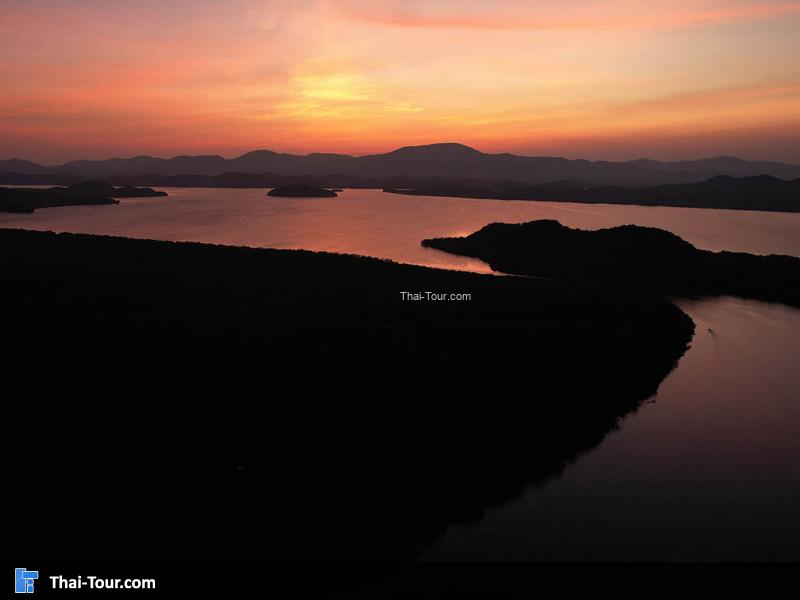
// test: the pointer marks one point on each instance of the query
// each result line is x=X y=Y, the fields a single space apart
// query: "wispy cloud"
x=513 y=16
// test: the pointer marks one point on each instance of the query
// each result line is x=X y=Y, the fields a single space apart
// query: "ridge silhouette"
x=449 y=160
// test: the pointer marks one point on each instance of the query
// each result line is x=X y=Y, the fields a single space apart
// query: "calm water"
x=389 y=225
x=709 y=469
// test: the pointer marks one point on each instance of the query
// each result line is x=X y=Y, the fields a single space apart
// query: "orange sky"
x=590 y=78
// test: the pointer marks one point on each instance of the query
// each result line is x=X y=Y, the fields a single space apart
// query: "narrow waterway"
x=708 y=469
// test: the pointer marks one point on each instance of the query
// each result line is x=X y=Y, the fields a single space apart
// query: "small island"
x=299 y=190
x=101 y=188
x=85 y=193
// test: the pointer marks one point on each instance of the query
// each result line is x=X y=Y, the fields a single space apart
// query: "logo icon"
x=23 y=580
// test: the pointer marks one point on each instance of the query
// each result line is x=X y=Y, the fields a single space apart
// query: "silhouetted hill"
x=449 y=160
x=16 y=165
x=705 y=168
x=179 y=165
x=761 y=192
x=233 y=403
x=628 y=258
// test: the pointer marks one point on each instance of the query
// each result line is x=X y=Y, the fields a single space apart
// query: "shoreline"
x=628 y=257
x=604 y=202
x=412 y=192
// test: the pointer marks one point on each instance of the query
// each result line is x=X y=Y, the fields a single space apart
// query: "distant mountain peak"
x=259 y=152
x=440 y=148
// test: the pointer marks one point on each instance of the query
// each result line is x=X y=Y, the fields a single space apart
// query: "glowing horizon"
x=610 y=79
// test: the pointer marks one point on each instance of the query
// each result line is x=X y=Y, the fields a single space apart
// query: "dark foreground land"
x=166 y=400
x=630 y=257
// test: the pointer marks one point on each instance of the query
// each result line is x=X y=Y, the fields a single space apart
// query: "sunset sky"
x=611 y=79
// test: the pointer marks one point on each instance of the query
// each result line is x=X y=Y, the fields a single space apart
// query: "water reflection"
x=708 y=471
x=390 y=226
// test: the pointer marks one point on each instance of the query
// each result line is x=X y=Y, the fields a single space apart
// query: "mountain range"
x=449 y=160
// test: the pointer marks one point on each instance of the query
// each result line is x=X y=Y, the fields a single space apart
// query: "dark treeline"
x=628 y=257
x=747 y=193
x=167 y=400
